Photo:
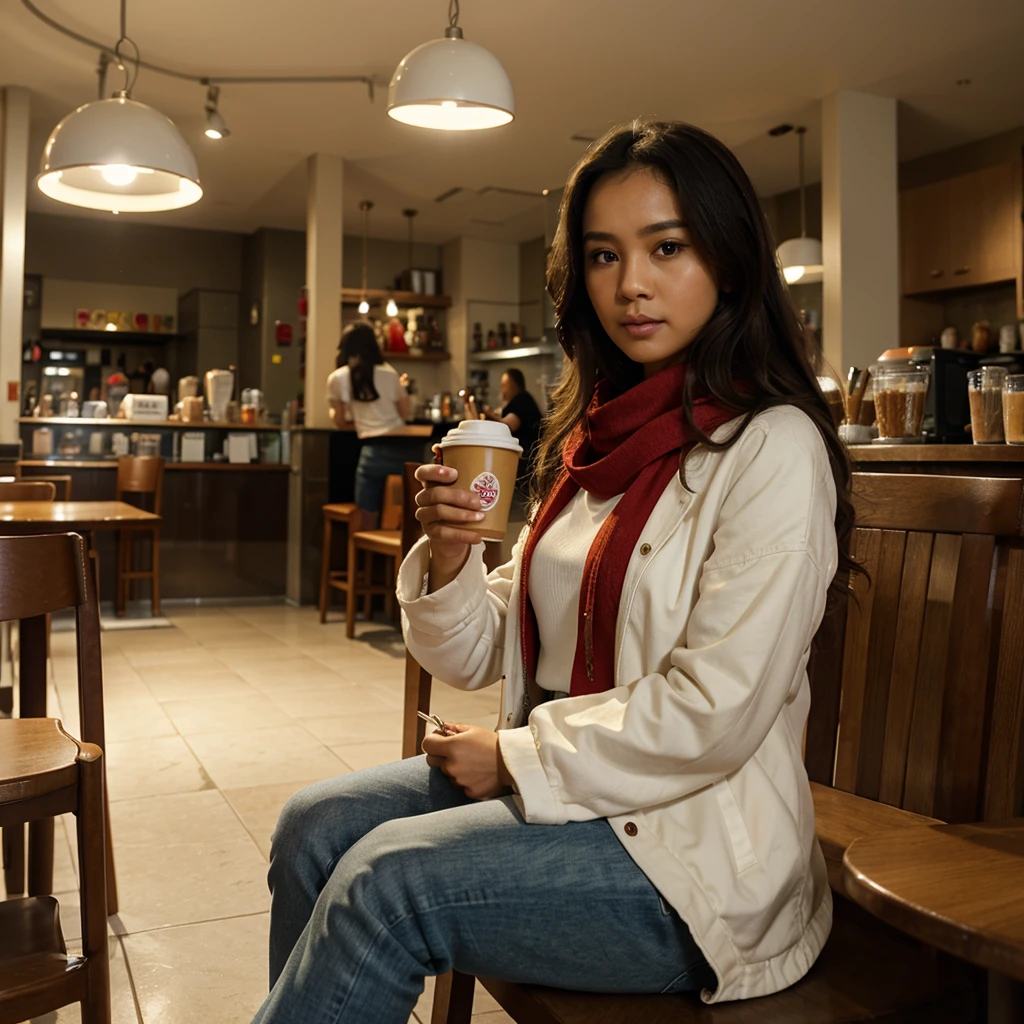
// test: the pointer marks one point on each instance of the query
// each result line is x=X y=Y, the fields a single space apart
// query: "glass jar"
x=899 y=400
x=985 y=394
x=1013 y=409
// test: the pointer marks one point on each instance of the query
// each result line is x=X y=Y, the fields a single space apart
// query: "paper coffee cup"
x=486 y=457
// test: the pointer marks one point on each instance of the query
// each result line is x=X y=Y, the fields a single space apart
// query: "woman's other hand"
x=471 y=758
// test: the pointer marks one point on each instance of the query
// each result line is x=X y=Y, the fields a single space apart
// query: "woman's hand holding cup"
x=443 y=509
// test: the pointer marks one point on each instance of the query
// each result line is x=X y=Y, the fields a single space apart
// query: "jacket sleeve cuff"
x=536 y=800
x=437 y=614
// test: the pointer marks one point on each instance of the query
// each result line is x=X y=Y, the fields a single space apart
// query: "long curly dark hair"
x=753 y=336
x=359 y=350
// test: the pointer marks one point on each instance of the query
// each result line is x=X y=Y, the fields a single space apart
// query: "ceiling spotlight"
x=216 y=126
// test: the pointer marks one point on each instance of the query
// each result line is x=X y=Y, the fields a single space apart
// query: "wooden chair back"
x=28 y=490
x=391 y=511
x=141 y=474
x=417 y=680
x=918 y=681
x=62 y=481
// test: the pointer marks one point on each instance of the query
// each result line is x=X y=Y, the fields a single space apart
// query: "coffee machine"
x=947 y=412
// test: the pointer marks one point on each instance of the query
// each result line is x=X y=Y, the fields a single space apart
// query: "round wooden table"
x=959 y=888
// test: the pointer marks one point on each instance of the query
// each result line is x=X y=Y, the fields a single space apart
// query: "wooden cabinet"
x=924 y=239
x=960 y=232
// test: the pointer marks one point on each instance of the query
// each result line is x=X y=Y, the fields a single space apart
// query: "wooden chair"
x=43 y=771
x=28 y=490
x=62 y=481
x=34 y=582
x=343 y=514
x=143 y=476
x=386 y=541
x=917 y=713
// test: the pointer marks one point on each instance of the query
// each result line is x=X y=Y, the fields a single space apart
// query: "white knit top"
x=556 y=574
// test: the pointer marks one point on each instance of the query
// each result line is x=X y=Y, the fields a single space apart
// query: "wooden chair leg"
x=156 y=573
x=123 y=562
x=389 y=600
x=351 y=584
x=40 y=857
x=92 y=863
x=325 y=568
x=453 y=998
x=109 y=849
x=14 y=859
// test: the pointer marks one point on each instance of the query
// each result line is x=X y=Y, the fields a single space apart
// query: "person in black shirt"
x=522 y=416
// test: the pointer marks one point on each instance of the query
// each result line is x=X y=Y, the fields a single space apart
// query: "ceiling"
x=735 y=67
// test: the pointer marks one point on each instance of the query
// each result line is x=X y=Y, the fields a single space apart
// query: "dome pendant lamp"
x=801 y=258
x=451 y=84
x=119 y=155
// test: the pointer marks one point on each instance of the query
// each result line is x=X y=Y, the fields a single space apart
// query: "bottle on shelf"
x=502 y=336
x=492 y=341
x=478 y=337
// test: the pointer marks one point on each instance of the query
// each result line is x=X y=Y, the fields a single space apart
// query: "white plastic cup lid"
x=484 y=433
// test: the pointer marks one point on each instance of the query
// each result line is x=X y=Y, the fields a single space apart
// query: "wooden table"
x=18 y=518
x=959 y=888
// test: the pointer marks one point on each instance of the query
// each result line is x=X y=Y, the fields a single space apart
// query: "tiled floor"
x=211 y=726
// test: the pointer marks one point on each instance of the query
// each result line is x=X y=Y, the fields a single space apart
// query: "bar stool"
x=386 y=541
x=346 y=514
x=141 y=475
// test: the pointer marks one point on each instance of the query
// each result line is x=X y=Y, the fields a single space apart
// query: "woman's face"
x=648 y=287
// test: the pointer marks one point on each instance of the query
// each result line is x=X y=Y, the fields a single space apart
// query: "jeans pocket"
x=696 y=977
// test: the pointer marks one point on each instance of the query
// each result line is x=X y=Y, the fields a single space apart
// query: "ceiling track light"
x=800 y=258
x=216 y=126
x=118 y=154
x=451 y=84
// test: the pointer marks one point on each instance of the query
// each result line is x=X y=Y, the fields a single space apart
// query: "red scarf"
x=632 y=445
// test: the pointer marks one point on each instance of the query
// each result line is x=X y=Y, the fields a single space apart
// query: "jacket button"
x=508 y=717
x=630 y=829
x=645 y=549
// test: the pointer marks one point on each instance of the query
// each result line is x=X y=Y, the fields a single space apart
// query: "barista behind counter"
x=367 y=392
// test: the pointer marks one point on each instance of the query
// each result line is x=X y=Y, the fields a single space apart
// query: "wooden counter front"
x=225 y=527
x=1003 y=460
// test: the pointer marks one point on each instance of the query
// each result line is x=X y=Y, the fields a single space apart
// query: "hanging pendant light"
x=216 y=126
x=801 y=258
x=119 y=155
x=366 y=206
x=451 y=84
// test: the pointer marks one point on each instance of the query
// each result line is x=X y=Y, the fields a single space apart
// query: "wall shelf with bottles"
x=426 y=357
x=378 y=296
x=523 y=351
x=113 y=422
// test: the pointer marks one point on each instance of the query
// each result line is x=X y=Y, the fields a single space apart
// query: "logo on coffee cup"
x=487 y=487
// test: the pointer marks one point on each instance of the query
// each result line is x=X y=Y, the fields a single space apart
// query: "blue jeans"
x=379 y=458
x=384 y=876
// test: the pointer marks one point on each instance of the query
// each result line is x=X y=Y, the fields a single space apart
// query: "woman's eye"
x=670 y=248
x=602 y=256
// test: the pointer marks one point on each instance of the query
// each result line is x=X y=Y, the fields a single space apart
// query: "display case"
x=76 y=440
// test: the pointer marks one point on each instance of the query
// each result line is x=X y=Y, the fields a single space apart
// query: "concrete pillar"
x=859 y=228
x=13 y=199
x=323 y=281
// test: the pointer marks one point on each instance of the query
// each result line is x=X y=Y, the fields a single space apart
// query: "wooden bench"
x=916 y=716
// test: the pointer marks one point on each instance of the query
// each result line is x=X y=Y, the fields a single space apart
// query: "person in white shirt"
x=368 y=392
x=641 y=821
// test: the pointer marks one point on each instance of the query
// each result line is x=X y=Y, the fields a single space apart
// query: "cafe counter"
x=1002 y=460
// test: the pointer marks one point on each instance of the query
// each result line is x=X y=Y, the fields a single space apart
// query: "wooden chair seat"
x=861 y=975
x=840 y=818
x=380 y=542
x=33 y=955
x=36 y=757
x=341 y=512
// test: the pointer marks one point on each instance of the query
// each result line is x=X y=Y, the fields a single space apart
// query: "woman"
x=521 y=414
x=642 y=821
x=366 y=391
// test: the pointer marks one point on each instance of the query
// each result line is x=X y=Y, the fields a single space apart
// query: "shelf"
x=79 y=421
x=427 y=357
x=515 y=352
x=73 y=462
x=353 y=296
x=107 y=337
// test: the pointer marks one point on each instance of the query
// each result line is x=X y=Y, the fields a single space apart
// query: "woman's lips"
x=643 y=330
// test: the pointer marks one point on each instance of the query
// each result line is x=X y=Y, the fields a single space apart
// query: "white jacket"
x=694 y=757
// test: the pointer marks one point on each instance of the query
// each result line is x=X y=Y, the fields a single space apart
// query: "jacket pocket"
x=739 y=837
